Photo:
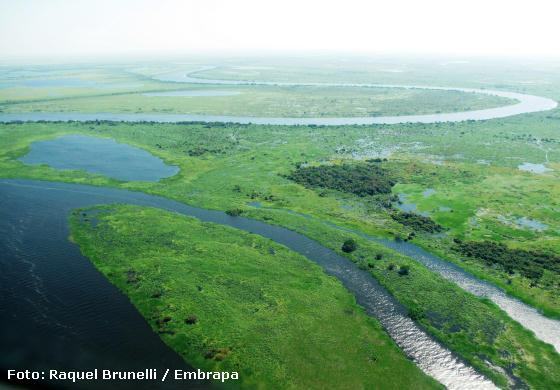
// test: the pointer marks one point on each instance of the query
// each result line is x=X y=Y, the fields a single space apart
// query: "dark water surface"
x=104 y=156
x=57 y=311
x=63 y=312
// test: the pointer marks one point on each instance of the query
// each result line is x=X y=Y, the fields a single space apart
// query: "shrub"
x=529 y=263
x=415 y=313
x=417 y=222
x=234 y=212
x=349 y=245
x=404 y=270
x=359 y=179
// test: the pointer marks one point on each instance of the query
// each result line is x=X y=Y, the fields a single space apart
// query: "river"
x=525 y=104
x=54 y=294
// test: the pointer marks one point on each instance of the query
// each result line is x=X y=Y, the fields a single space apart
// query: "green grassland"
x=228 y=166
x=226 y=300
x=528 y=76
x=45 y=84
x=256 y=159
x=289 y=101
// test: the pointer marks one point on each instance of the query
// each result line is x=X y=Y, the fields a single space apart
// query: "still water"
x=99 y=155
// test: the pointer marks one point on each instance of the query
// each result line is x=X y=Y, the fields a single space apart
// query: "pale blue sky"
x=55 y=28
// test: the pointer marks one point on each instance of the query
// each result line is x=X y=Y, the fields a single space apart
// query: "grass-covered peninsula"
x=226 y=300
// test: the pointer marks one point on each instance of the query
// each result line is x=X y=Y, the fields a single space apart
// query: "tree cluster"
x=528 y=263
x=417 y=222
x=358 y=179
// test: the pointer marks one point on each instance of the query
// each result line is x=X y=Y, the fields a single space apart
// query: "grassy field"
x=473 y=200
x=275 y=102
x=228 y=166
x=122 y=89
x=231 y=301
x=529 y=75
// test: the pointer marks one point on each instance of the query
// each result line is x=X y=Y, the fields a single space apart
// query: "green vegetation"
x=479 y=332
x=268 y=101
x=359 y=179
x=530 y=264
x=256 y=160
x=417 y=222
x=233 y=301
x=349 y=245
x=464 y=176
x=119 y=90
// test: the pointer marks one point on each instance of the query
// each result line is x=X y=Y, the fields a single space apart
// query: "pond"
x=531 y=224
x=101 y=156
x=534 y=168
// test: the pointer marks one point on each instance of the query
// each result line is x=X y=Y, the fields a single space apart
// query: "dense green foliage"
x=358 y=179
x=349 y=245
x=417 y=222
x=229 y=300
x=529 y=263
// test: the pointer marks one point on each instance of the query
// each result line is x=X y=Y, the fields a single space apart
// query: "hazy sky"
x=54 y=28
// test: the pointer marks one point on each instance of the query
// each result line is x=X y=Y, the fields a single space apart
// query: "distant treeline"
x=528 y=263
x=360 y=179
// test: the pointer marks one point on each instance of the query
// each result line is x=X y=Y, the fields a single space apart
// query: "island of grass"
x=226 y=300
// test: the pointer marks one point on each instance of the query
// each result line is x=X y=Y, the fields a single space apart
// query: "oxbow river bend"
x=525 y=104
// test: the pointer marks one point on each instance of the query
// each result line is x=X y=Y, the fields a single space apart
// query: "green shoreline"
x=243 y=303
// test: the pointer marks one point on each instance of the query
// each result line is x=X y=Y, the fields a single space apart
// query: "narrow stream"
x=546 y=329
x=63 y=293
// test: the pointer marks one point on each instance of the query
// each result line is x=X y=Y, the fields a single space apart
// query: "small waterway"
x=55 y=295
x=534 y=168
x=546 y=329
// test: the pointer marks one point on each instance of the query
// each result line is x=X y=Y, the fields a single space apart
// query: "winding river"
x=525 y=104
x=52 y=290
